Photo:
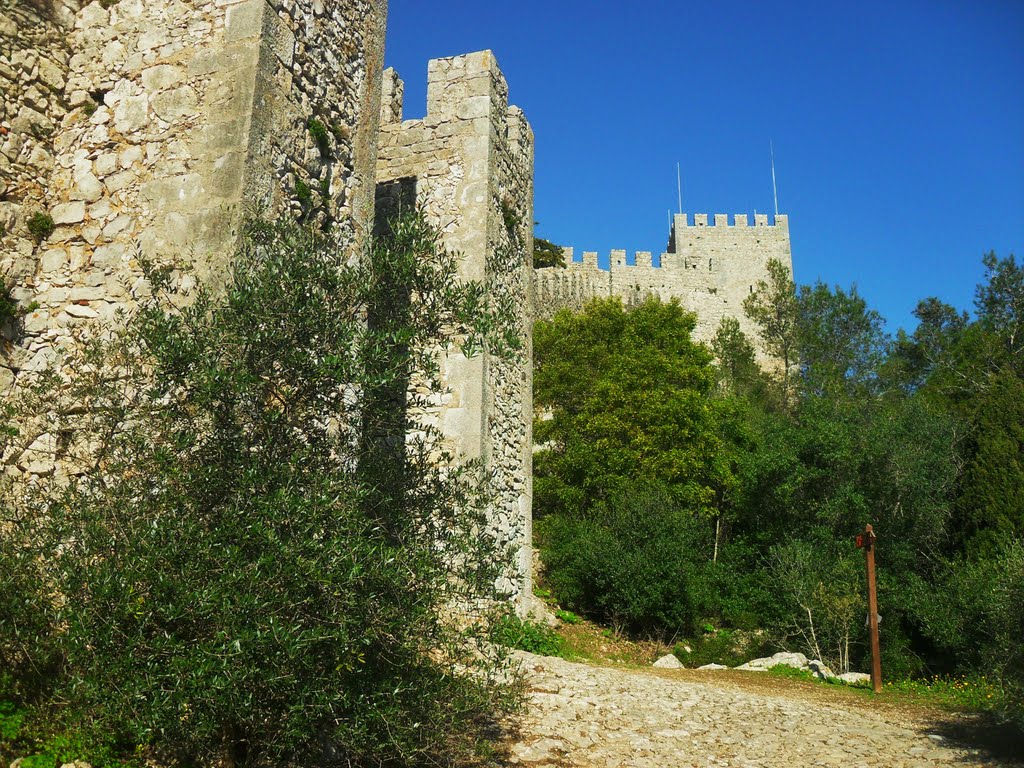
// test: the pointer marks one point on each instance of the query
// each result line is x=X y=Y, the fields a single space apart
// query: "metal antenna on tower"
x=775 y=188
x=679 y=185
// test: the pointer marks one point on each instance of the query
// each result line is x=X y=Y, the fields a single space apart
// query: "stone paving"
x=594 y=717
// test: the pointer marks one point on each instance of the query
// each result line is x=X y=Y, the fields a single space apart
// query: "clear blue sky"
x=898 y=126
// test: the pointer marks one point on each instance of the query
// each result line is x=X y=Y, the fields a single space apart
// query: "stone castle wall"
x=470 y=164
x=711 y=267
x=149 y=127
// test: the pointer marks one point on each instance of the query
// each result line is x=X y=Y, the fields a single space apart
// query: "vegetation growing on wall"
x=547 y=254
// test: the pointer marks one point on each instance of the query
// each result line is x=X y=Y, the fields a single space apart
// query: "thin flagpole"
x=679 y=185
x=775 y=188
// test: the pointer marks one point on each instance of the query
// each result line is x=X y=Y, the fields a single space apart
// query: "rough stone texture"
x=593 y=717
x=34 y=55
x=149 y=127
x=469 y=164
x=711 y=267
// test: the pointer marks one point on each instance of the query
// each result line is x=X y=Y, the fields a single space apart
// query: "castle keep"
x=711 y=267
x=133 y=128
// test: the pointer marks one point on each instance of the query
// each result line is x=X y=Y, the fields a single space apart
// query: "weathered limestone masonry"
x=711 y=267
x=148 y=126
x=471 y=161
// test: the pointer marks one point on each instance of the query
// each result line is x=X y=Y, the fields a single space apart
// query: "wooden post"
x=867 y=543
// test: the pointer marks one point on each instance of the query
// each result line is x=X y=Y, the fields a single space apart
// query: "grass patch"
x=567 y=617
x=529 y=636
x=792 y=673
x=318 y=131
x=970 y=694
x=42 y=740
x=41 y=226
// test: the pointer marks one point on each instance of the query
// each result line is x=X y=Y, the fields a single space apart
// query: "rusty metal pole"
x=876 y=656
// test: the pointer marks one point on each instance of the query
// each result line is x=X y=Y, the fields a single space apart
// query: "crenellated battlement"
x=711 y=265
x=739 y=220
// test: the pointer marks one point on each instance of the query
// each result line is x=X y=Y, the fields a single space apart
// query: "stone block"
x=161 y=76
x=53 y=259
x=244 y=20
x=132 y=114
x=68 y=213
x=86 y=187
x=171 y=106
x=108 y=256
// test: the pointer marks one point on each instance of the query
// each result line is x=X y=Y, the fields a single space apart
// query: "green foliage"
x=568 y=617
x=738 y=371
x=628 y=393
x=822 y=583
x=8 y=307
x=303 y=194
x=259 y=570
x=28 y=656
x=976 y=615
x=547 y=254
x=721 y=646
x=320 y=134
x=631 y=562
x=842 y=343
x=530 y=636
x=11 y=719
x=40 y=225
x=792 y=673
x=975 y=693
x=773 y=307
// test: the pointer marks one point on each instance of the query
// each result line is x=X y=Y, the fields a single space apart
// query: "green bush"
x=568 y=617
x=721 y=646
x=28 y=655
x=976 y=616
x=303 y=194
x=262 y=569
x=632 y=563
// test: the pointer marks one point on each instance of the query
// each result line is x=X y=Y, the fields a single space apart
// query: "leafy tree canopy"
x=625 y=394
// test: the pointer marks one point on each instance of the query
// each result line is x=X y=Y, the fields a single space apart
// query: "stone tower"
x=469 y=164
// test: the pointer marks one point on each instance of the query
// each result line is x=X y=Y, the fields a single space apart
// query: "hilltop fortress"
x=148 y=128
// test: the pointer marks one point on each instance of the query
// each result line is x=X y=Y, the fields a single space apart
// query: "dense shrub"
x=976 y=616
x=257 y=565
x=722 y=646
x=633 y=562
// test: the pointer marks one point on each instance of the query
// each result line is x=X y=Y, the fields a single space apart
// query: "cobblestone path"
x=596 y=717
